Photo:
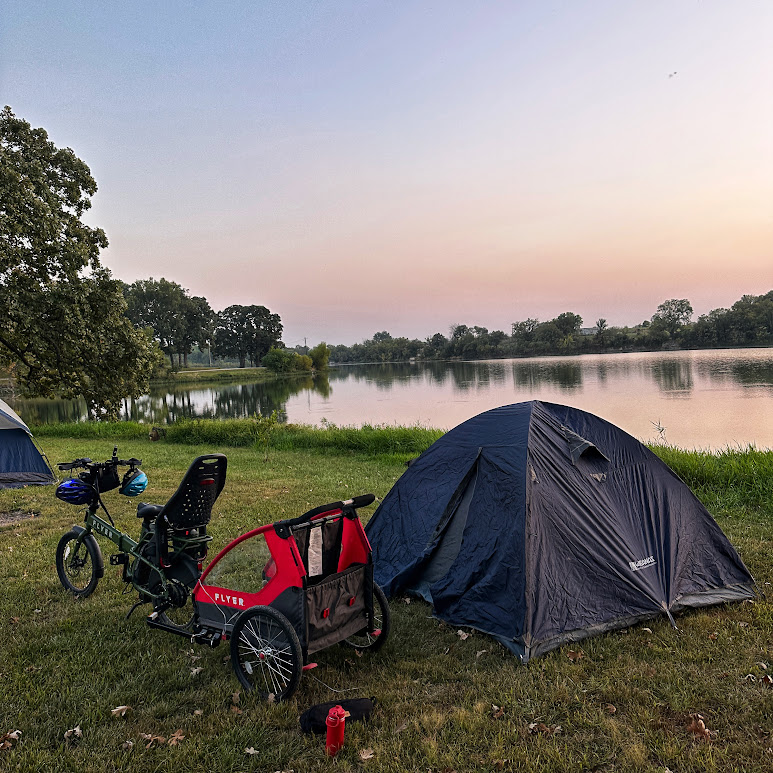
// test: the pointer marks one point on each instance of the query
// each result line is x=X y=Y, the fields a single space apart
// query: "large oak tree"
x=63 y=329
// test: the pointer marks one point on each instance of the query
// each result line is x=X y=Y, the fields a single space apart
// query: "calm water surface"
x=701 y=399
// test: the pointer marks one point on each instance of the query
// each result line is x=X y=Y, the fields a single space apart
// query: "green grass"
x=67 y=663
x=264 y=433
x=205 y=375
x=200 y=375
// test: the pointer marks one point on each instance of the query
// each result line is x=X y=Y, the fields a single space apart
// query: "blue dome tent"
x=542 y=524
x=21 y=463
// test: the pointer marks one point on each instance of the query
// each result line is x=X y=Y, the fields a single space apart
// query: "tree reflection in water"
x=431 y=392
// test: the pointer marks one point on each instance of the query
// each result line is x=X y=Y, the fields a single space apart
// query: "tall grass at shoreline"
x=263 y=432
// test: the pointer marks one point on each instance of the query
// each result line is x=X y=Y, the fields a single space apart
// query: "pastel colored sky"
x=364 y=166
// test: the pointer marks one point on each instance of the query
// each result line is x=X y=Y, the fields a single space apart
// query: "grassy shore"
x=215 y=375
x=622 y=701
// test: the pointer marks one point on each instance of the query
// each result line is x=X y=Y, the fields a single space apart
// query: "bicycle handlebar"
x=86 y=463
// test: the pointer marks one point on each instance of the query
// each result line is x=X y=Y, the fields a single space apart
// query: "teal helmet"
x=134 y=483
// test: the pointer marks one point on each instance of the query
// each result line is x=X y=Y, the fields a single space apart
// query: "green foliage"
x=246 y=332
x=64 y=331
x=279 y=360
x=44 y=192
x=672 y=315
x=286 y=361
x=177 y=320
x=748 y=323
x=303 y=362
x=320 y=356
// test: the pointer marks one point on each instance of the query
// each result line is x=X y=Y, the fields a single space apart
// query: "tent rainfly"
x=542 y=524
x=21 y=463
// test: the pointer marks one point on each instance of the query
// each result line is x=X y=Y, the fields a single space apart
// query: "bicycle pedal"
x=119 y=559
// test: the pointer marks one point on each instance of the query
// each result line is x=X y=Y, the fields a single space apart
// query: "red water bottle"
x=336 y=719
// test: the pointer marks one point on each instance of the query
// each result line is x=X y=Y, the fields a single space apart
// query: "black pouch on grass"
x=313 y=719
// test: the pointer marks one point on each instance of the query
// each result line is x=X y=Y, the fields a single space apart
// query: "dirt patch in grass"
x=14 y=516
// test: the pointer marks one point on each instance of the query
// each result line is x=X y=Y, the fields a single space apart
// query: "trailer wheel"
x=374 y=640
x=266 y=654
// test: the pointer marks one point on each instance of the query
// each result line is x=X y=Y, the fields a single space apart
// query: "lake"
x=695 y=399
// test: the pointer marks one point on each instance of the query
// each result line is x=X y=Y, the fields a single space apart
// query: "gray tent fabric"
x=542 y=524
x=21 y=463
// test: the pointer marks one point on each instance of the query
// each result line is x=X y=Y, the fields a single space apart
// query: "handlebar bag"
x=107 y=478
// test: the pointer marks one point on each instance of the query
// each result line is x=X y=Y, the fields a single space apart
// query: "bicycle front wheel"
x=77 y=563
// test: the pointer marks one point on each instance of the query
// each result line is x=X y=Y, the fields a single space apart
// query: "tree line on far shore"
x=748 y=322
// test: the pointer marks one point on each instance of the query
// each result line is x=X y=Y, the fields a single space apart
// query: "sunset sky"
x=365 y=166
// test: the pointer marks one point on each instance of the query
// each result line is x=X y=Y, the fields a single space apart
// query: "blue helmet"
x=134 y=483
x=76 y=492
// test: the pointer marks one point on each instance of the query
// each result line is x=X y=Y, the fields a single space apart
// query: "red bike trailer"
x=284 y=591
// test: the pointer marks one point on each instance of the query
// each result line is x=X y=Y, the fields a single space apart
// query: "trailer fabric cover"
x=541 y=524
x=21 y=463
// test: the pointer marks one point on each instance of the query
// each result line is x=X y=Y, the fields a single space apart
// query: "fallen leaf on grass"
x=176 y=737
x=73 y=735
x=235 y=698
x=120 y=711
x=698 y=727
x=367 y=754
x=407 y=600
x=236 y=710
x=767 y=680
x=403 y=726
x=271 y=698
x=647 y=630
x=574 y=656
x=462 y=635
x=713 y=636
x=127 y=746
x=541 y=727
x=610 y=709
x=157 y=740
x=499 y=711
x=198 y=712
x=196 y=671
x=9 y=740
x=251 y=750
